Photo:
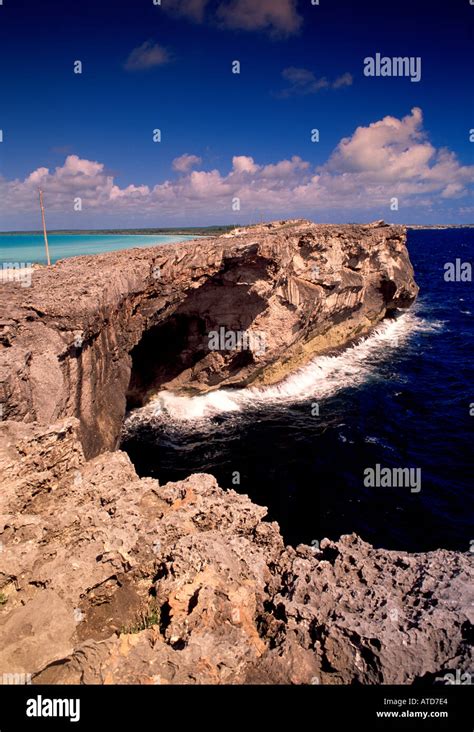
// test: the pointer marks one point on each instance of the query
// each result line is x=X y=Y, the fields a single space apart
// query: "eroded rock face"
x=108 y=578
x=93 y=332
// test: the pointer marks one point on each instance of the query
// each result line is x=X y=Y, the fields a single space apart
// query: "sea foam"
x=321 y=378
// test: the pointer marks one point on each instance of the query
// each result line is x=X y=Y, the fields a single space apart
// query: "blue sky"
x=86 y=138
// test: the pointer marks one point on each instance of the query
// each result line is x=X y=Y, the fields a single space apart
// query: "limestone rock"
x=109 y=578
x=94 y=332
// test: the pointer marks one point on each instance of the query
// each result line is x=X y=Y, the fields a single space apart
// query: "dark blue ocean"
x=401 y=398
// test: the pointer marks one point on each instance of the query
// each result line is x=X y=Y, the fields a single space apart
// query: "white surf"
x=323 y=377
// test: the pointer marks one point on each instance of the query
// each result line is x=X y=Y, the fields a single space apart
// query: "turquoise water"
x=30 y=247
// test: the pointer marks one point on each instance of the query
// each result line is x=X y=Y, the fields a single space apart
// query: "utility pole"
x=44 y=228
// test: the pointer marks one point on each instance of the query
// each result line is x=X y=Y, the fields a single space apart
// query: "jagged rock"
x=93 y=331
x=109 y=578
x=377 y=616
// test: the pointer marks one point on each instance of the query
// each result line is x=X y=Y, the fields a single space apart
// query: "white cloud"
x=385 y=148
x=146 y=56
x=75 y=166
x=395 y=153
x=38 y=175
x=388 y=158
x=131 y=192
x=453 y=190
x=285 y=169
x=185 y=162
x=244 y=164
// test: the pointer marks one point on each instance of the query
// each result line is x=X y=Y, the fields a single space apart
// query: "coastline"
x=176 y=554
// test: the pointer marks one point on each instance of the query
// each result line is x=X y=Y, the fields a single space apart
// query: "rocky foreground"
x=108 y=578
x=111 y=579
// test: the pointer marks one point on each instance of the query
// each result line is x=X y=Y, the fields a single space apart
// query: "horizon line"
x=220 y=226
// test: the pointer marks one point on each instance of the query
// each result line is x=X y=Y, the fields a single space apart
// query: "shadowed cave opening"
x=164 y=352
x=170 y=348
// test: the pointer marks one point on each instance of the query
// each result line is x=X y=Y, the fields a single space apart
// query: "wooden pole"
x=44 y=228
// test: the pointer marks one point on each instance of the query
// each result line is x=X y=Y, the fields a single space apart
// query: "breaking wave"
x=323 y=377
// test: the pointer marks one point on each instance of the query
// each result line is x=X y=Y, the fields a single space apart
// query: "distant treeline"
x=183 y=231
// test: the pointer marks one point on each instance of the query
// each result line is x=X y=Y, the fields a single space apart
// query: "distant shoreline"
x=188 y=231
x=197 y=231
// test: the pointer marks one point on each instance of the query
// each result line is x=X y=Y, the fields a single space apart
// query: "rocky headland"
x=109 y=578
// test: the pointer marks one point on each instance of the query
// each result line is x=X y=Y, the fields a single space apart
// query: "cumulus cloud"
x=388 y=158
x=185 y=162
x=395 y=150
x=244 y=164
x=303 y=82
x=393 y=156
x=276 y=17
x=146 y=56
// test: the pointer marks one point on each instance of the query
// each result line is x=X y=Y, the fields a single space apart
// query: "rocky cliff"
x=93 y=332
x=108 y=578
